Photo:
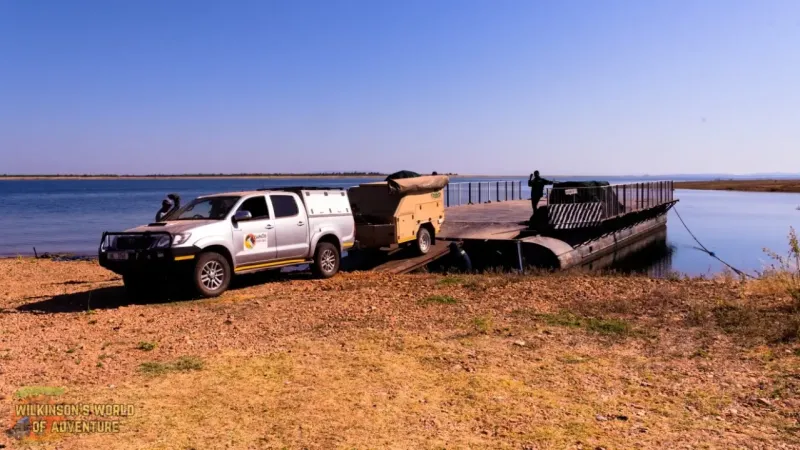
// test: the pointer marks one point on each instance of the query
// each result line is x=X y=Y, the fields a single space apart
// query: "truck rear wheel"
x=423 y=242
x=212 y=274
x=326 y=260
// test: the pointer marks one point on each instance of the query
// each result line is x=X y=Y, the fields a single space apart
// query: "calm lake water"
x=69 y=216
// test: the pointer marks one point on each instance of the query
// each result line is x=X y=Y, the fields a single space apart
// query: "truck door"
x=291 y=226
x=254 y=239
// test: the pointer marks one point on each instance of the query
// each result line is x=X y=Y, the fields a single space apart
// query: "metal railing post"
x=641 y=196
x=497 y=190
x=479 y=193
x=506 y=183
x=512 y=190
x=469 y=197
x=624 y=199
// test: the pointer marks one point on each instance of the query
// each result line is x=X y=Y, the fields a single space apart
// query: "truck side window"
x=284 y=206
x=257 y=207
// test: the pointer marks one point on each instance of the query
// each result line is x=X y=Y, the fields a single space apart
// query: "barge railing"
x=588 y=206
x=474 y=192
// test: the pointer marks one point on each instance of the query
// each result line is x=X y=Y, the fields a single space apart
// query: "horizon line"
x=363 y=174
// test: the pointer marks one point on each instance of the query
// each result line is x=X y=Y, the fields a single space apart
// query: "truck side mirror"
x=241 y=216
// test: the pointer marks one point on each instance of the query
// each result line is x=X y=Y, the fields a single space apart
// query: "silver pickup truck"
x=215 y=237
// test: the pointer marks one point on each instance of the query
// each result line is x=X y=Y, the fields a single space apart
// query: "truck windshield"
x=208 y=208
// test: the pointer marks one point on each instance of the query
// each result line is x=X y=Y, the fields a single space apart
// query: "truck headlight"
x=181 y=238
x=162 y=242
x=108 y=242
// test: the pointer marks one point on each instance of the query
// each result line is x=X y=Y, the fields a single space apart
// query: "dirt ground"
x=742 y=185
x=411 y=361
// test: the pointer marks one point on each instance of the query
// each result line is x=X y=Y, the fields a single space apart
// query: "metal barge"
x=576 y=225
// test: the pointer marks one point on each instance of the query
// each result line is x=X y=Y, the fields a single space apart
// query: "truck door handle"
x=300 y=224
x=269 y=227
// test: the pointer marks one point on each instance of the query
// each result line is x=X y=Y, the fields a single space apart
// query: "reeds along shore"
x=742 y=185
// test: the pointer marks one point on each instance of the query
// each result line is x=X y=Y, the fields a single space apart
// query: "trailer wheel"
x=326 y=260
x=212 y=274
x=423 y=242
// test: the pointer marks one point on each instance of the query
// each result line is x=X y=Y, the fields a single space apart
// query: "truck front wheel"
x=212 y=274
x=326 y=260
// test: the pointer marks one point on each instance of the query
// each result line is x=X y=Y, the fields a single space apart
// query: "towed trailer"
x=399 y=212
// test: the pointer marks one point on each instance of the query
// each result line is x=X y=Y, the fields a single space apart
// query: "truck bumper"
x=160 y=262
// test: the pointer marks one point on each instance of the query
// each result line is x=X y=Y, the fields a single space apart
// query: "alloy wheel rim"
x=212 y=275
x=424 y=241
x=328 y=261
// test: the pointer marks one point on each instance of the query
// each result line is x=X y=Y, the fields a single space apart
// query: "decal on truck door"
x=252 y=241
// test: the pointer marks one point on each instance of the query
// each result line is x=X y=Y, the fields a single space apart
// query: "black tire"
x=326 y=260
x=212 y=274
x=424 y=241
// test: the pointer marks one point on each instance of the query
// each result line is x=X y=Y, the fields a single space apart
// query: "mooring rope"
x=704 y=249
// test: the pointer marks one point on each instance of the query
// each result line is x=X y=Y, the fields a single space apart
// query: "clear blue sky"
x=490 y=87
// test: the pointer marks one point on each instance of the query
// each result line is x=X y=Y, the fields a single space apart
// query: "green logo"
x=436 y=194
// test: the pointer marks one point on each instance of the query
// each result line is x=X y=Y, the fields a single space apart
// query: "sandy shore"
x=413 y=361
x=742 y=185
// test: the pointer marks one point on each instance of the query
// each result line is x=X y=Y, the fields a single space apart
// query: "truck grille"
x=135 y=241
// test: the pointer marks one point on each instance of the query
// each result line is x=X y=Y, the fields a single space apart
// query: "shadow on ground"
x=366 y=260
x=110 y=297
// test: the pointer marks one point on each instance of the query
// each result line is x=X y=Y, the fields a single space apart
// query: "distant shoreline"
x=222 y=177
x=764 y=185
x=176 y=177
x=751 y=185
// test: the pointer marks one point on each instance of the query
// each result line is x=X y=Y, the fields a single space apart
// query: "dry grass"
x=373 y=361
x=742 y=185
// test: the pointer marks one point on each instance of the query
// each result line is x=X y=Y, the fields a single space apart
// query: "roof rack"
x=301 y=188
